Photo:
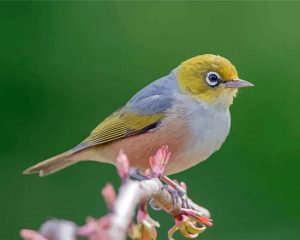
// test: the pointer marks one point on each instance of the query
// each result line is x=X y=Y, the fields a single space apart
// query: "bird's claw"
x=177 y=192
x=179 y=197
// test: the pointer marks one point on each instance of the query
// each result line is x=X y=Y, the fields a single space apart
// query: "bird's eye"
x=213 y=79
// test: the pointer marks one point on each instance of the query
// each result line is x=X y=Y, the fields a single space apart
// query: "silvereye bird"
x=188 y=110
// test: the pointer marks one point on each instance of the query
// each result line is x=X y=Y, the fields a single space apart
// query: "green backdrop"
x=64 y=66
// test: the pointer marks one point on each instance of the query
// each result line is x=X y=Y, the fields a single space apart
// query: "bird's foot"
x=177 y=191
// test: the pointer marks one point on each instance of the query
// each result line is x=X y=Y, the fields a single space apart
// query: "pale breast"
x=207 y=129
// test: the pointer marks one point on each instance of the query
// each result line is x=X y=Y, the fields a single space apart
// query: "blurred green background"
x=64 y=66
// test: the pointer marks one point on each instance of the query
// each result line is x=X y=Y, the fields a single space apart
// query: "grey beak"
x=238 y=83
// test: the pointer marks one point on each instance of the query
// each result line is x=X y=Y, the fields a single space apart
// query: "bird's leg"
x=135 y=174
x=176 y=191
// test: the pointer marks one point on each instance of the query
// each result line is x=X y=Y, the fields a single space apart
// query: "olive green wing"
x=119 y=125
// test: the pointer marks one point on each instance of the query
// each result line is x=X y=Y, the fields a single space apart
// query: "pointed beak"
x=238 y=83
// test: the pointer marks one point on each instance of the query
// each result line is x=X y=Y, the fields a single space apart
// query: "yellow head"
x=210 y=78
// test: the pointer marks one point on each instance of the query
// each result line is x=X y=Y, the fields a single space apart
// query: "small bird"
x=188 y=110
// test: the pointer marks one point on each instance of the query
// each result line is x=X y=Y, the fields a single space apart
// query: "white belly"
x=209 y=126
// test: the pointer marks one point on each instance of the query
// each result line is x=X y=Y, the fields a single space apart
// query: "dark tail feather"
x=52 y=165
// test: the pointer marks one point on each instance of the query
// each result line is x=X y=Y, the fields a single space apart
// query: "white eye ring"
x=212 y=79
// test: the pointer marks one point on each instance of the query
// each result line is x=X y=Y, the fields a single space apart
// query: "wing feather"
x=119 y=125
